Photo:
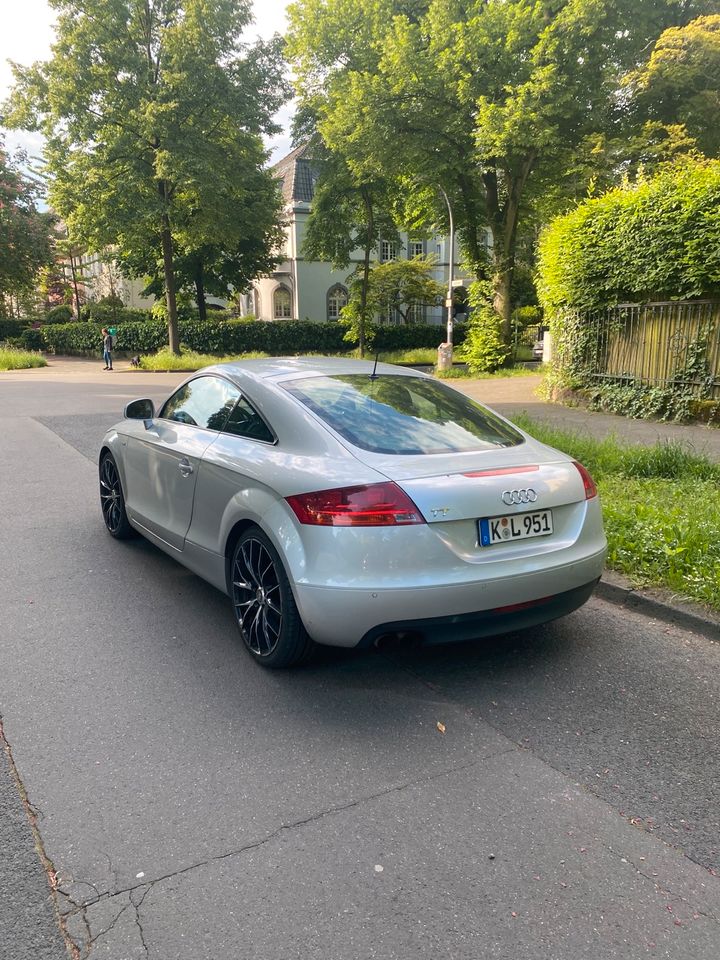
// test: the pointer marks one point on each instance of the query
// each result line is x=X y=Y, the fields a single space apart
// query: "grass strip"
x=187 y=360
x=462 y=373
x=660 y=505
x=14 y=359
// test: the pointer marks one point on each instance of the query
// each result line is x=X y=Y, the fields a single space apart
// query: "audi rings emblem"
x=519 y=496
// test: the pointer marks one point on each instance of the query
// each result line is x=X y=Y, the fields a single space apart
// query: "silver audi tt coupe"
x=336 y=502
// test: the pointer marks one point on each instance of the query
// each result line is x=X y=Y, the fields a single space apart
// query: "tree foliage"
x=25 y=232
x=243 y=246
x=153 y=111
x=492 y=99
x=401 y=286
x=680 y=83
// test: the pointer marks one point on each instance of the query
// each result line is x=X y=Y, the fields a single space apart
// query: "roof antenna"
x=373 y=375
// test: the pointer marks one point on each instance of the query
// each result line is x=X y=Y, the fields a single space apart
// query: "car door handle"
x=185 y=467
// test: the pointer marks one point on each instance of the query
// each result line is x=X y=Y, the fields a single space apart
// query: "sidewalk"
x=81 y=370
x=514 y=394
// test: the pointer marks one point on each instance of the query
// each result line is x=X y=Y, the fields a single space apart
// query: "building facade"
x=301 y=289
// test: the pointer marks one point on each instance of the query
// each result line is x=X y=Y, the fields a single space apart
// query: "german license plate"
x=519 y=526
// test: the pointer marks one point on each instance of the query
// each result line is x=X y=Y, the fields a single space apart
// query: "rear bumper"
x=486 y=623
x=347 y=617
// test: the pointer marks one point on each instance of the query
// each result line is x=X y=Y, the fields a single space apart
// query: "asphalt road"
x=195 y=806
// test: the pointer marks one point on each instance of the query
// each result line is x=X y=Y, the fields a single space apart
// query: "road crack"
x=147 y=885
x=51 y=873
x=667 y=893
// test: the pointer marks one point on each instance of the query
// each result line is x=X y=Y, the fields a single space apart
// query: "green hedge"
x=415 y=335
x=30 y=339
x=286 y=337
x=11 y=328
x=655 y=240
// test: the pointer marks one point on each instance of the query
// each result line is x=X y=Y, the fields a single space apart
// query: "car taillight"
x=588 y=482
x=375 y=505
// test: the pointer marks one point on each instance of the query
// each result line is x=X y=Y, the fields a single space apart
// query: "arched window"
x=337 y=298
x=282 y=303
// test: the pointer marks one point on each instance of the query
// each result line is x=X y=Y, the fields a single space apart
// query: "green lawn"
x=661 y=510
x=13 y=359
x=462 y=373
x=188 y=360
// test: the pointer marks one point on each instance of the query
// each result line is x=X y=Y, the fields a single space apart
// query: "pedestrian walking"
x=107 y=349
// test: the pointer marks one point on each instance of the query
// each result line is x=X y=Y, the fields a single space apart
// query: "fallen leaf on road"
x=441 y=727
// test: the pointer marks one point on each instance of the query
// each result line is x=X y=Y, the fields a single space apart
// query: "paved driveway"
x=195 y=806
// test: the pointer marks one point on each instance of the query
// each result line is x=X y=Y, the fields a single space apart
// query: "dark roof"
x=296 y=173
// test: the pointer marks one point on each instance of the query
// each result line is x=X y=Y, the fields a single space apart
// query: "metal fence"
x=675 y=344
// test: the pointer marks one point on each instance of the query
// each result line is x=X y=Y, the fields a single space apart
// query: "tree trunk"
x=76 y=292
x=503 y=222
x=502 y=303
x=369 y=243
x=200 y=292
x=169 y=274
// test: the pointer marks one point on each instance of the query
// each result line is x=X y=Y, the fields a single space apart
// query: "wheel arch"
x=236 y=531
x=111 y=447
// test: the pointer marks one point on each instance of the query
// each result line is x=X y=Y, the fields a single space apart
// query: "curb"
x=662 y=605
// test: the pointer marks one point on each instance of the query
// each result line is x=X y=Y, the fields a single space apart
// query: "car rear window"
x=402 y=414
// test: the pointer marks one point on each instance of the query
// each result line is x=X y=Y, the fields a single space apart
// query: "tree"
x=348 y=213
x=70 y=264
x=492 y=99
x=153 y=111
x=25 y=232
x=401 y=286
x=680 y=83
x=239 y=242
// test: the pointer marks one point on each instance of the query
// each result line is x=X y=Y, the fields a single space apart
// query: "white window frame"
x=387 y=251
x=285 y=311
x=338 y=296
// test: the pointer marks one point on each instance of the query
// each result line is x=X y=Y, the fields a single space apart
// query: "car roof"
x=280 y=368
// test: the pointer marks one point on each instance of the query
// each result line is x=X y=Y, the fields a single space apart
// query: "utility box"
x=445 y=356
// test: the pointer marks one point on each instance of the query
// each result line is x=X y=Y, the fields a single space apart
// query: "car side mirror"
x=140 y=410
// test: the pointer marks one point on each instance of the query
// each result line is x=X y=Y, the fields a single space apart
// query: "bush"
x=484 y=349
x=110 y=313
x=657 y=239
x=60 y=314
x=31 y=339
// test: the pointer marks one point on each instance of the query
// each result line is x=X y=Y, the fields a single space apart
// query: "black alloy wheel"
x=112 y=500
x=264 y=606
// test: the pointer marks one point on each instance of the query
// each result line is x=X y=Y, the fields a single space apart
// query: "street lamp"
x=445 y=351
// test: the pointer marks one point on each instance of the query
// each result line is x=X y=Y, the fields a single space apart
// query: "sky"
x=26 y=35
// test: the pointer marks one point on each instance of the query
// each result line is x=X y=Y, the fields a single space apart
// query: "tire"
x=112 y=500
x=265 y=609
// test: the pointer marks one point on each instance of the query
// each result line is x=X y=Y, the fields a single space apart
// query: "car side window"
x=204 y=402
x=245 y=421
